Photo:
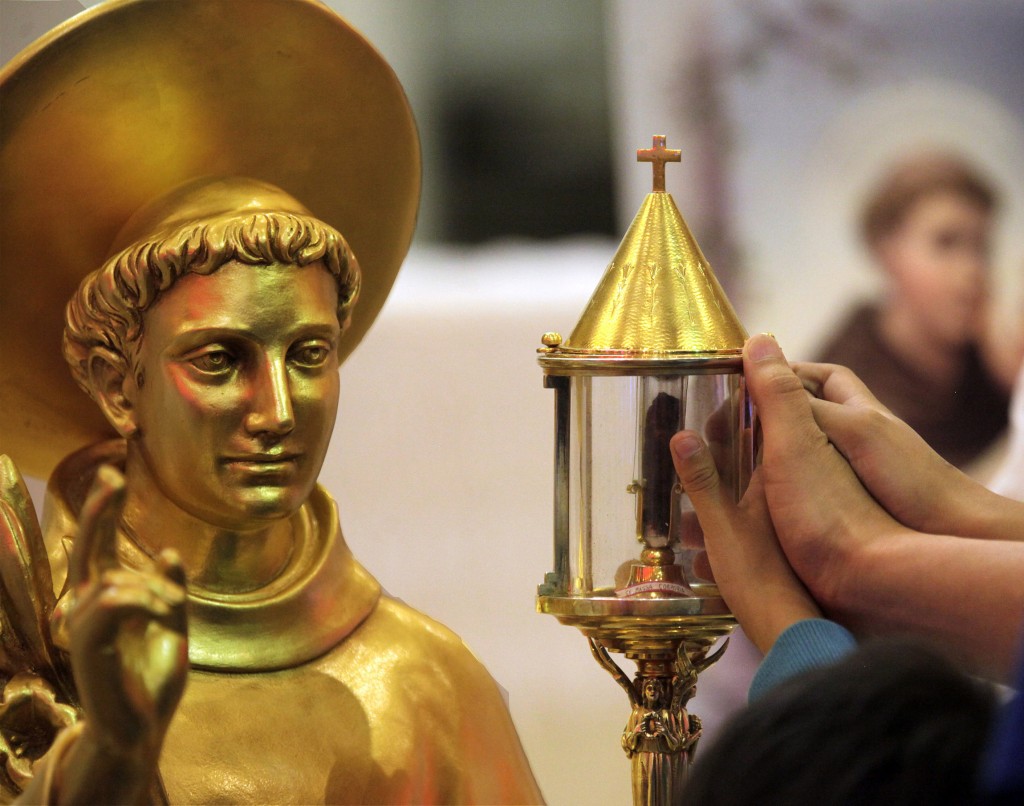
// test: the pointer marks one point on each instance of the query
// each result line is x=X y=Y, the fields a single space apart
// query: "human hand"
x=127 y=631
x=917 y=486
x=749 y=566
x=860 y=564
x=823 y=516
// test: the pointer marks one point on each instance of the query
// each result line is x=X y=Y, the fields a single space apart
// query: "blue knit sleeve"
x=805 y=645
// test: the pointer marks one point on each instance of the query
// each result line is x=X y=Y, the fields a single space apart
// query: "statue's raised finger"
x=96 y=544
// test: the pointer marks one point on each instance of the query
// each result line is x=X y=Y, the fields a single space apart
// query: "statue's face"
x=652 y=692
x=239 y=390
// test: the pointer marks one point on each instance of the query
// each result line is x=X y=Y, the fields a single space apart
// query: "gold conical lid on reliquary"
x=659 y=296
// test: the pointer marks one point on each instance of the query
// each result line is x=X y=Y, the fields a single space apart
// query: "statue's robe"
x=319 y=688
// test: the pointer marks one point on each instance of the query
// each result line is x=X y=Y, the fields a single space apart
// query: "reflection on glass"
x=632 y=529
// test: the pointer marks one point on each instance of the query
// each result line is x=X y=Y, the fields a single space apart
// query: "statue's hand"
x=127 y=632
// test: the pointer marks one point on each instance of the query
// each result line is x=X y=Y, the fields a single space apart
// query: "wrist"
x=961 y=508
x=779 y=610
x=993 y=517
x=95 y=771
x=805 y=645
x=859 y=570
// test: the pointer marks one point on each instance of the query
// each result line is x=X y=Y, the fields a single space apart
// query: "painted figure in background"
x=188 y=625
x=926 y=349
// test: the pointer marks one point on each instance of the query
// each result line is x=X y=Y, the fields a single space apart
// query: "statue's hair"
x=107 y=310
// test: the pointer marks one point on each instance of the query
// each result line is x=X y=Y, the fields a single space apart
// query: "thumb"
x=697 y=473
x=783 y=404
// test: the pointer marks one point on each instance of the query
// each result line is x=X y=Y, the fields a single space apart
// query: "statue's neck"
x=216 y=559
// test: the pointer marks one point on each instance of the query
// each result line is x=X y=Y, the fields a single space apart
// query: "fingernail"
x=686 y=445
x=763 y=348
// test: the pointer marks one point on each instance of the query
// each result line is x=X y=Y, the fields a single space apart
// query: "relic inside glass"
x=632 y=530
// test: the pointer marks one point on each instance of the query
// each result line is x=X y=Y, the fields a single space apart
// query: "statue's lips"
x=263 y=463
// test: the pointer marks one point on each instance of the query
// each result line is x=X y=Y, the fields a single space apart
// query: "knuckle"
x=700 y=476
x=810 y=442
x=782 y=382
x=794 y=448
x=842 y=375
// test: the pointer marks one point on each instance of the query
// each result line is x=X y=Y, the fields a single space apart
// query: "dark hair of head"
x=893 y=723
x=911 y=180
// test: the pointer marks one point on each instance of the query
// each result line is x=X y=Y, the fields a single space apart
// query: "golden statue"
x=188 y=625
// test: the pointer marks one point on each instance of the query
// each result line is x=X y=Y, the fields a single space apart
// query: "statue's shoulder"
x=391 y=631
x=423 y=638
x=445 y=699
x=423 y=658
x=456 y=697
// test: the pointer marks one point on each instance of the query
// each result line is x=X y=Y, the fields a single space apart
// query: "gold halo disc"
x=132 y=98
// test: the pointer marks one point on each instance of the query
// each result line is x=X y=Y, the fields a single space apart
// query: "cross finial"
x=659 y=155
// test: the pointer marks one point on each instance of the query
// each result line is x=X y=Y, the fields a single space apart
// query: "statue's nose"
x=271 y=409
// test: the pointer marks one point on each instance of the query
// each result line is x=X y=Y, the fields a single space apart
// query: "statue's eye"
x=311 y=355
x=214 y=362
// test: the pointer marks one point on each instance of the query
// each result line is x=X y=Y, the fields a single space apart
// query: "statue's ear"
x=111 y=387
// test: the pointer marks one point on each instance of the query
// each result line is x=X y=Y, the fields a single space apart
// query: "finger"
x=699 y=477
x=843 y=426
x=122 y=584
x=158 y=584
x=857 y=433
x=720 y=434
x=721 y=424
x=753 y=500
x=136 y=602
x=782 y=402
x=702 y=567
x=170 y=566
x=837 y=384
x=100 y=617
x=95 y=548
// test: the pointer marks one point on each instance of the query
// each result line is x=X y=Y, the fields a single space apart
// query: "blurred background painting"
x=787 y=112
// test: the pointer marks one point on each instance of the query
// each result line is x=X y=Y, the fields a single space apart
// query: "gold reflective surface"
x=659 y=297
x=189 y=625
x=130 y=99
x=658 y=294
x=658 y=312
x=372 y=702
